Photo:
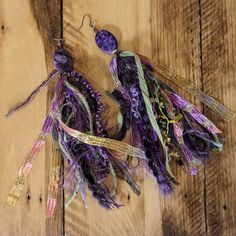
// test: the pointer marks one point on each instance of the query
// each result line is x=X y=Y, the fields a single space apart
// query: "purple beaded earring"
x=75 y=122
x=164 y=125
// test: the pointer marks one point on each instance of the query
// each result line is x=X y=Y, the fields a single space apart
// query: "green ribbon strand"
x=148 y=105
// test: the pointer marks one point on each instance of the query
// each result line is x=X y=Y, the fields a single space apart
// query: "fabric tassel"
x=31 y=158
x=166 y=127
x=78 y=131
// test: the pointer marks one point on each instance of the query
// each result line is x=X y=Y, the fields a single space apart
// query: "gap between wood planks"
x=203 y=107
x=202 y=86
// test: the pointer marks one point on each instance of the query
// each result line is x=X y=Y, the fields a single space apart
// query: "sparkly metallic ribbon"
x=194 y=112
x=24 y=171
x=103 y=142
x=53 y=187
x=79 y=184
x=165 y=73
x=17 y=188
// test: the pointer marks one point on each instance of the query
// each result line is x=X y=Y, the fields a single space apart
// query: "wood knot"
x=40 y=198
x=28 y=197
x=128 y=196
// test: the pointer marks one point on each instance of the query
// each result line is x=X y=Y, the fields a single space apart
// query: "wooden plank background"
x=196 y=38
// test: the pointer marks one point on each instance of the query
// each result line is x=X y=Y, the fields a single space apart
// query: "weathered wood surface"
x=196 y=38
x=218 y=40
x=26 y=59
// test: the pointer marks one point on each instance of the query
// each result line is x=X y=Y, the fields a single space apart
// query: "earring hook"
x=91 y=23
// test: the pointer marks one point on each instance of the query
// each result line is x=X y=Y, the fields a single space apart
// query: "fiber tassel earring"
x=74 y=119
x=164 y=125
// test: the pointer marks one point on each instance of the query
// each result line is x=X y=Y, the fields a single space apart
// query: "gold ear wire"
x=91 y=23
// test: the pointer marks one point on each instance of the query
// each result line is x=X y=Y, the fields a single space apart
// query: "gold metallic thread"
x=103 y=142
x=165 y=73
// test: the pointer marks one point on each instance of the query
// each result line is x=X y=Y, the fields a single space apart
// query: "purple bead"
x=63 y=60
x=106 y=41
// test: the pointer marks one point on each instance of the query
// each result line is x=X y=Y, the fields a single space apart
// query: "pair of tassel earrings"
x=164 y=127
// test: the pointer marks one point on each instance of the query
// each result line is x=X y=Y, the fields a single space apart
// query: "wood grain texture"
x=94 y=65
x=167 y=32
x=196 y=38
x=48 y=16
x=176 y=44
x=219 y=80
x=25 y=50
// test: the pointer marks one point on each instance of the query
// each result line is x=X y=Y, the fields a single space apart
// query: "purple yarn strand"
x=33 y=94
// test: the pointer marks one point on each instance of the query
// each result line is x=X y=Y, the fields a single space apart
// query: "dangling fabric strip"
x=145 y=94
x=194 y=112
x=103 y=142
x=17 y=188
x=114 y=182
x=51 y=76
x=83 y=100
x=166 y=73
x=38 y=146
x=53 y=187
x=178 y=133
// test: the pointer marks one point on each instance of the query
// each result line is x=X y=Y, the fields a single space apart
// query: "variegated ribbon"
x=17 y=188
x=148 y=105
x=53 y=187
x=194 y=112
x=178 y=132
x=24 y=171
x=103 y=142
x=166 y=73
